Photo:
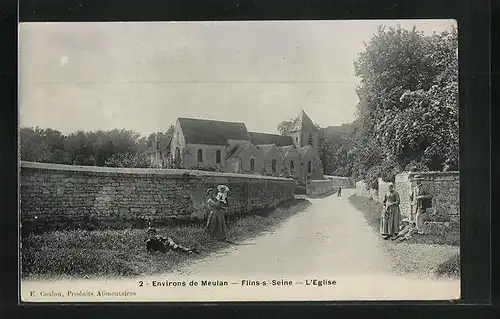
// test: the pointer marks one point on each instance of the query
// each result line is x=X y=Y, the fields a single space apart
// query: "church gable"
x=246 y=150
x=306 y=151
x=292 y=159
x=270 y=151
x=273 y=159
x=289 y=152
x=251 y=158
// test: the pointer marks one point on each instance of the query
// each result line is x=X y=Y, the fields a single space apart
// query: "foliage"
x=286 y=126
x=334 y=151
x=209 y=168
x=450 y=268
x=408 y=97
x=128 y=160
x=117 y=148
x=407 y=115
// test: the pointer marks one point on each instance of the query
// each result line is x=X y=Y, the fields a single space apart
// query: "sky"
x=144 y=75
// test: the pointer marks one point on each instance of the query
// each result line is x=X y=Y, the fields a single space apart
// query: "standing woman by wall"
x=216 y=223
x=391 y=215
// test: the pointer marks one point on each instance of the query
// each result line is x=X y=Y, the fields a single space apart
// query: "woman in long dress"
x=391 y=215
x=216 y=223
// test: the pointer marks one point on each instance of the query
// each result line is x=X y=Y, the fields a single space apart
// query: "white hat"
x=223 y=188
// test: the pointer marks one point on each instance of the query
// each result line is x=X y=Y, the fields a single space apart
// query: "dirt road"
x=330 y=237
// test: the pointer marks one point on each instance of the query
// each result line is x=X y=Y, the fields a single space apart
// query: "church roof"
x=303 y=122
x=267 y=139
x=200 y=131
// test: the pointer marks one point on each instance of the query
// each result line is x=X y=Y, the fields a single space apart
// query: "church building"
x=229 y=147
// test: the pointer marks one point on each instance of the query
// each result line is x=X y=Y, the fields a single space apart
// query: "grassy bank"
x=434 y=252
x=111 y=253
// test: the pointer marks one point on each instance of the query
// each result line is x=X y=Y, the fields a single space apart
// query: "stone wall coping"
x=140 y=171
x=433 y=173
x=339 y=177
x=426 y=174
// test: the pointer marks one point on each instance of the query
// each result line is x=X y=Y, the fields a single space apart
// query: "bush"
x=209 y=168
x=450 y=268
x=128 y=160
x=415 y=166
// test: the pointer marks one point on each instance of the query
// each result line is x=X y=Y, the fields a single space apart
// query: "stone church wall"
x=63 y=196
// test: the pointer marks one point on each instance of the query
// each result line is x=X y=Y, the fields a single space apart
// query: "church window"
x=310 y=139
x=273 y=165
x=177 y=154
x=199 y=156
x=292 y=167
x=217 y=157
x=309 y=167
x=252 y=164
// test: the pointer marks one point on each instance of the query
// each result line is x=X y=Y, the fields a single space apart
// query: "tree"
x=408 y=97
x=286 y=126
x=120 y=148
x=33 y=145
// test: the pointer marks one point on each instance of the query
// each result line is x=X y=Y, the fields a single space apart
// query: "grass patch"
x=434 y=252
x=450 y=267
x=112 y=253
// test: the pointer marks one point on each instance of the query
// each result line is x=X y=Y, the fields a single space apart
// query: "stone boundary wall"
x=328 y=185
x=443 y=186
x=341 y=181
x=54 y=196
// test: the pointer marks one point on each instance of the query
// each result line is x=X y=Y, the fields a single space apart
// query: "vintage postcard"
x=239 y=161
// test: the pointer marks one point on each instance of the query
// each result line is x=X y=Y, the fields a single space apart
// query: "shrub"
x=128 y=160
x=209 y=168
x=450 y=268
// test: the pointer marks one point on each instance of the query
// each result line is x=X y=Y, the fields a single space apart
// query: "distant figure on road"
x=339 y=192
x=391 y=215
x=216 y=223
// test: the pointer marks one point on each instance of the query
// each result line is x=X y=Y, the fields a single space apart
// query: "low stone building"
x=229 y=147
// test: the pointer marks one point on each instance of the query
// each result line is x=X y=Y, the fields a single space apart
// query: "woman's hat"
x=151 y=230
x=209 y=190
x=223 y=188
